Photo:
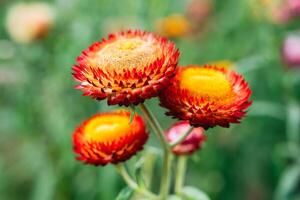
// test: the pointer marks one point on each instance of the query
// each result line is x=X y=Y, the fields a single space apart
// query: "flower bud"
x=191 y=143
x=291 y=51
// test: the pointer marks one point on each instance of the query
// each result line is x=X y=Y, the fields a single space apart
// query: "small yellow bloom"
x=173 y=26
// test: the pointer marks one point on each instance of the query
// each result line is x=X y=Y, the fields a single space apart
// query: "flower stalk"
x=180 y=174
x=132 y=184
x=167 y=156
x=155 y=126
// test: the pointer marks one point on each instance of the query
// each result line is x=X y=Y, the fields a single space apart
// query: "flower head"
x=126 y=68
x=191 y=143
x=207 y=96
x=109 y=138
x=29 y=21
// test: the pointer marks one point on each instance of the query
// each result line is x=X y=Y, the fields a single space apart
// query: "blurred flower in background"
x=173 y=26
x=192 y=142
x=291 y=50
x=198 y=12
x=278 y=12
x=294 y=6
x=27 y=22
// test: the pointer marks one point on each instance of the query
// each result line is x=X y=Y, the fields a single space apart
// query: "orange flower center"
x=127 y=53
x=208 y=83
x=107 y=128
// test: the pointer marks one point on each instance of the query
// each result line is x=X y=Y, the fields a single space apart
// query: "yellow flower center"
x=106 y=128
x=127 y=53
x=208 y=83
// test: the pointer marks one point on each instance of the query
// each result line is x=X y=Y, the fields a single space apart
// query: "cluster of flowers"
x=129 y=67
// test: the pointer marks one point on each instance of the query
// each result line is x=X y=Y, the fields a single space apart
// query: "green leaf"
x=138 y=172
x=174 y=197
x=288 y=183
x=191 y=193
x=125 y=194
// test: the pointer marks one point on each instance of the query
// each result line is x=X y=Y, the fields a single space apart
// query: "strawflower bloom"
x=207 y=96
x=109 y=138
x=191 y=143
x=27 y=22
x=127 y=67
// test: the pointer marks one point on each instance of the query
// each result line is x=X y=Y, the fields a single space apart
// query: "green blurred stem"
x=166 y=176
x=182 y=137
x=180 y=174
x=167 y=156
x=155 y=126
x=293 y=131
x=132 y=184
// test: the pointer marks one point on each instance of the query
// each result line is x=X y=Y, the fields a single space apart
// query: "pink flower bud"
x=191 y=143
x=294 y=6
x=291 y=51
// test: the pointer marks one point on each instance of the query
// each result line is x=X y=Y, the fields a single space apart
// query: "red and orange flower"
x=109 y=138
x=207 y=96
x=191 y=143
x=126 y=68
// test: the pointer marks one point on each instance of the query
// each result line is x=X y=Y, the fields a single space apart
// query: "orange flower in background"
x=191 y=143
x=109 y=138
x=26 y=22
x=126 y=68
x=207 y=96
x=173 y=26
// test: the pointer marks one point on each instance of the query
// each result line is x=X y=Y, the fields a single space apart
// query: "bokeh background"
x=258 y=159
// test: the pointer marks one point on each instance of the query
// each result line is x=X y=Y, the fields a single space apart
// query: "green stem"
x=180 y=174
x=182 y=137
x=132 y=184
x=155 y=126
x=167 y=156
x=166 y=176
x=293 y=122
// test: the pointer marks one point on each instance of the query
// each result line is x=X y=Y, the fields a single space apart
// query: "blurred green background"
x=39 y=109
